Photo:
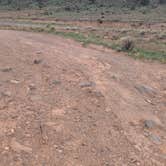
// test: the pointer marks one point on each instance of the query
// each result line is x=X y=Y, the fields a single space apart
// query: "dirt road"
x=62 y=104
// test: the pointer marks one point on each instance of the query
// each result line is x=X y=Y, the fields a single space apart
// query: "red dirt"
x=66 y=105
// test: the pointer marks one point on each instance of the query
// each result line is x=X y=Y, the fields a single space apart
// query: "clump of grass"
x=149 y=55
x=48 y=25
x=85 y=40
x=36 y=29
x=73 y=35
x=127 y=43
x=51 y=29
x=161 y=36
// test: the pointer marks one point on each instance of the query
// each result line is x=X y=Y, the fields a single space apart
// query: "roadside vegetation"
x=77 y=5
x=128 y=44
x=136 y=27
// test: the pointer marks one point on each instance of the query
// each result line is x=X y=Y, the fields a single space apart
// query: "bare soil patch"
x=78 y=106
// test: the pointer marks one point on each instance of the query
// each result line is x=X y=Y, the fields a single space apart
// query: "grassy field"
x=146 y=14
x=146 y=27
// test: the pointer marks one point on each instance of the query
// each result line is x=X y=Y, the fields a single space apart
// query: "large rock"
x=144 y=89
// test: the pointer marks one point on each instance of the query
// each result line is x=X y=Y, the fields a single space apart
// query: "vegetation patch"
x=127 y=43
x=149 y=55
x=85 y=39
x=126 y=46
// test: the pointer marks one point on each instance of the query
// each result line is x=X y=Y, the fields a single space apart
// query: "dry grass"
x=149 y=38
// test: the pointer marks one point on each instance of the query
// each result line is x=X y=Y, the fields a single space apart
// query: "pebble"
x=149 y=124
x=149 y=101
x=14 y=81
x=86 y=84
x=135 y=161
x=12 y=131
x=6 y=69
x=146 y=134
x=56 y=82
x=115 y=77
x=6 y=93
x=7 y=148
x=98 y=93
x=38 y=52
x=59 y=150
x=37 y=61
x=156 y=139
x=32 y=87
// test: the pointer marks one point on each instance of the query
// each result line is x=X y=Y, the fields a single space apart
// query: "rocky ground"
x=62 y=104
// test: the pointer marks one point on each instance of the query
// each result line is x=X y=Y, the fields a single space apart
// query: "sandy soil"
x=62 y=104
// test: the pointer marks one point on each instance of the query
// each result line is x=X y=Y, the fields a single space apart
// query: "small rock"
x=32 y=87
x=59 y=150
x=56 y=82
x=6 y=93
x=115 y=77
x=6 y=69
x=38 y=52
x=7 y=148
x=135 y=161
x=149 y=101
x=14 y=81
x=98 y=94
x=12 y=131
x=86 y=84
x=146 y=90
x=150 y=124
x=83 y=144
x=138 y=147
x=156 y=139
x=37 y=61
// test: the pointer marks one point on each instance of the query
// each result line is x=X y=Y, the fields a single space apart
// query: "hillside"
x=77 y=4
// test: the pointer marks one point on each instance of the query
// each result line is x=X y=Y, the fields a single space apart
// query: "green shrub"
x=127 y=43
